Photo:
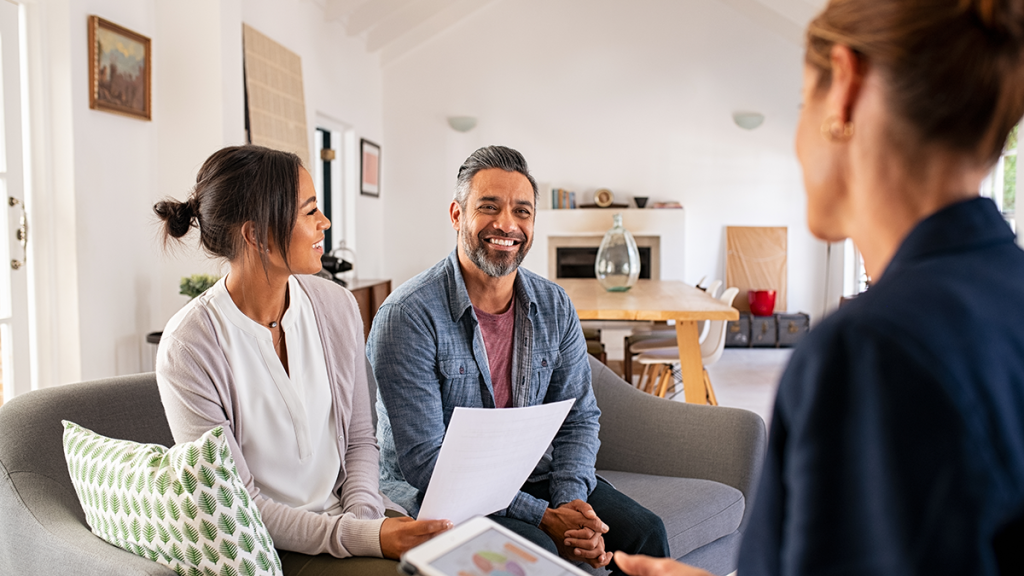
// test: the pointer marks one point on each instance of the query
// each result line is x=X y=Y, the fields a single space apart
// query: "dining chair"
x=659 y=362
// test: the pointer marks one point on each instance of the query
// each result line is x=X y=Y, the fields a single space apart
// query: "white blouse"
x=293 y=455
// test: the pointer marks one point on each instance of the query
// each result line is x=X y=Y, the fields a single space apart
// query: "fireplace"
x=574 y=256
x=578 y=262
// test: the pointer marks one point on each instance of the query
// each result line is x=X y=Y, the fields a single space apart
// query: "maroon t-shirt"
x=497 y=331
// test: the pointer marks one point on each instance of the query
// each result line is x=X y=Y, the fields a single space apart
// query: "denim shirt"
x=428 y=357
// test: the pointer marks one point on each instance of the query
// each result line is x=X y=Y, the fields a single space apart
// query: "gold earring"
x=835 y=130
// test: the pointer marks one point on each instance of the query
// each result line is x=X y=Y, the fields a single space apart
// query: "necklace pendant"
x=273 y=324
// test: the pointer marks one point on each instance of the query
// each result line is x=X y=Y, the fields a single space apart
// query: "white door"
x=15 y=376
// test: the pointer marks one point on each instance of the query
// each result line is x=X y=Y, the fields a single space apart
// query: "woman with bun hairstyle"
x=897 y=440
x=275 y=356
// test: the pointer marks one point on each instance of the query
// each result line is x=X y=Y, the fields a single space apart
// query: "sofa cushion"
x=695 y=512
x=184 y=507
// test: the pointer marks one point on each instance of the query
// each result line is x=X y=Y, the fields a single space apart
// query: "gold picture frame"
x=120 y=70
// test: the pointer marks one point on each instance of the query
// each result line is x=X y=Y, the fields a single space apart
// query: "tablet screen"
x=492 y=553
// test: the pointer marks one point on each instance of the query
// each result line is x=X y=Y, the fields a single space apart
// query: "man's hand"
x=641 y=565
x=397 y=535
x=577 y=533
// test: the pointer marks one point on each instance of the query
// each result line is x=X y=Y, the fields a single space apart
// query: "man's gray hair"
x=488 y=157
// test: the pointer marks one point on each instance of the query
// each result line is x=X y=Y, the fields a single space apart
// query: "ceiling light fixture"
x=748 y=120
x=462 y=123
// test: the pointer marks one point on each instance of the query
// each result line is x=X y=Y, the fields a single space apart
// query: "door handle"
x=21 y=234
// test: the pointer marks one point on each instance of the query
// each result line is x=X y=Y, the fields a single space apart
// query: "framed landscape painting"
x=119 y=69
x=369 y=168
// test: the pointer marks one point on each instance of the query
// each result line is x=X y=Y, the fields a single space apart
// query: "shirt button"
x=544 y=363
x=462 y=369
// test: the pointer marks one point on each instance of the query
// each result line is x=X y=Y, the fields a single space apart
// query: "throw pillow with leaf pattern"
x=184 y=507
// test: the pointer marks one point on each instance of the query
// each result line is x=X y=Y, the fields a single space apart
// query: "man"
x=477 y=331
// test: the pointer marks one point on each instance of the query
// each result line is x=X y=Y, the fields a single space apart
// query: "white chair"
x=655 y=380
x=658 y=337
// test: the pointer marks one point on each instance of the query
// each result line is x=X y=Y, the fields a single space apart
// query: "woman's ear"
x=848 y=69
x=249 y=236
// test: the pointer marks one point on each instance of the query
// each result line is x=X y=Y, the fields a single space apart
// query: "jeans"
x=631 y=527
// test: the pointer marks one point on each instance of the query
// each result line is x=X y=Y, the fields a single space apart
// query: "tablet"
x=481 y=547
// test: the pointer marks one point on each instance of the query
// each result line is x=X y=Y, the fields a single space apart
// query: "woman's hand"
x=400 y=534
x=641 y=565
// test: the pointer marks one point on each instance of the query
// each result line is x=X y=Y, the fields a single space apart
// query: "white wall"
x=117 y=167
x=633 y=96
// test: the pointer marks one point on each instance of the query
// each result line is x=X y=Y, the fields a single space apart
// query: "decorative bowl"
x=762 y=302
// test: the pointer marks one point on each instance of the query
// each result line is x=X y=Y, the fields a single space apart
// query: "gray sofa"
x=693 y=465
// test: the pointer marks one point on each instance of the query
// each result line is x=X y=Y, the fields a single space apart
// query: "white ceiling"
x=394 y=27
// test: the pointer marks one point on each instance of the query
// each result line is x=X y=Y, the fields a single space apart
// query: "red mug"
x=762 y=302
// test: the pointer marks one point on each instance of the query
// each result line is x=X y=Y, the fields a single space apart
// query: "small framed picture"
x=369 y=168
x=119 y=70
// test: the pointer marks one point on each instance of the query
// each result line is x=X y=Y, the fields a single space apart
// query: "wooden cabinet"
x=370 y=294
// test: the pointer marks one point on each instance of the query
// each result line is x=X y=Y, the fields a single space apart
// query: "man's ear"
x=455 y=212
x=848 y=69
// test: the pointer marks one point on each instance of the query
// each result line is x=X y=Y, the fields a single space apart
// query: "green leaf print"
x=247 y=542
x=207 y=503
x=140 y=483
x=227 y=524
x=243 y=496
x=178 y=488
x=159 y=510
x=146 y=507
x=208 y=529
x=228 y=549
x=207 y=477
x=193 y=555
x=248 y=568
x=129 y=479
x=191 y=533
x=189 y=481
x=243 y=517
x=228 y=570
x=163 y=482
x=189 y=508
x=192 y=455
x=175 y=533
x=148 y=532
x=136 y=529
x=223 y=473
x=263 y=561
x=177 y=553
x=209 y=451
x=173 y=510
x=135 y=506
x=225 y=497
x=165 y=536
x=211 y=553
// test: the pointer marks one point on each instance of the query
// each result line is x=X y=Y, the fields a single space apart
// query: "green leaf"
x=111 y=477
x=193 y=571
x=125 y=504
x=191 y=533
x=207 y=503
x=129 y=479
x=165 y=536
x=208 y=572
x=225 y=497
x=180 y=568
x=140 y=483
x=136 y=529
x=175 y=532
x=223 y=473
x=177 y=553
x=173 y=510
x=189 y=481
x=207 y=477
x=228 y=570
x=227 y=524
x=209 y=451
x=104 y=503
x=243 y=496
x=152 y=554
x=208 y=529
x=193 y=555
x=192 y=455
x=159 y=510
x=211 y=553
x=229 y=549
x=248 y=568
x=135 y=506
x=148 y=532
x=263 y=561
x=163 y=482
x=124 y=529
x=146 y=507
x=243 y=517
x=247 y=542
x=178 y=488
x=189 y=508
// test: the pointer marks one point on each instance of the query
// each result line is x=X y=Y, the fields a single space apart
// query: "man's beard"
x=494 y=264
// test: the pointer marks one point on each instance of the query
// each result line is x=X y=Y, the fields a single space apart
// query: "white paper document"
x=486 y=457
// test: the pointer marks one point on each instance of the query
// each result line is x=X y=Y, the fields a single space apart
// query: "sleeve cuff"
x=361 y=537
x=527 y=508
x=366 y=512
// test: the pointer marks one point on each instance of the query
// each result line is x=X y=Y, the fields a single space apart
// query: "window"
x=1001 y=183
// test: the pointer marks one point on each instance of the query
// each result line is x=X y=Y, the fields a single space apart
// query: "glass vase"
x=618 y=261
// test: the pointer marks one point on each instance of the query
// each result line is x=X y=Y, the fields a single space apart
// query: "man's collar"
x=458 y=296
x=966 y=225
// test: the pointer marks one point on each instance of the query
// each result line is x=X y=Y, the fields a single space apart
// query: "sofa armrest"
x=647 y=435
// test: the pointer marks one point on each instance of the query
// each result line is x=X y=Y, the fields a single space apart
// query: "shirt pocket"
x=460 y=382
x=544 y=363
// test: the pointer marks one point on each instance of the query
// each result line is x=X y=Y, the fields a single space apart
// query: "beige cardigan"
x=199 y=393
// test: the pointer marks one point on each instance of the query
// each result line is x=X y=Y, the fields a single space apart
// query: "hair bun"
x=178 y=217
x=1004 y=17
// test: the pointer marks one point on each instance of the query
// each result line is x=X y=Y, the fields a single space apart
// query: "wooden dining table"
x=656 y=300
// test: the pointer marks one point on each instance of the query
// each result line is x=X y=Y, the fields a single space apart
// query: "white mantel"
x=668 y=224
